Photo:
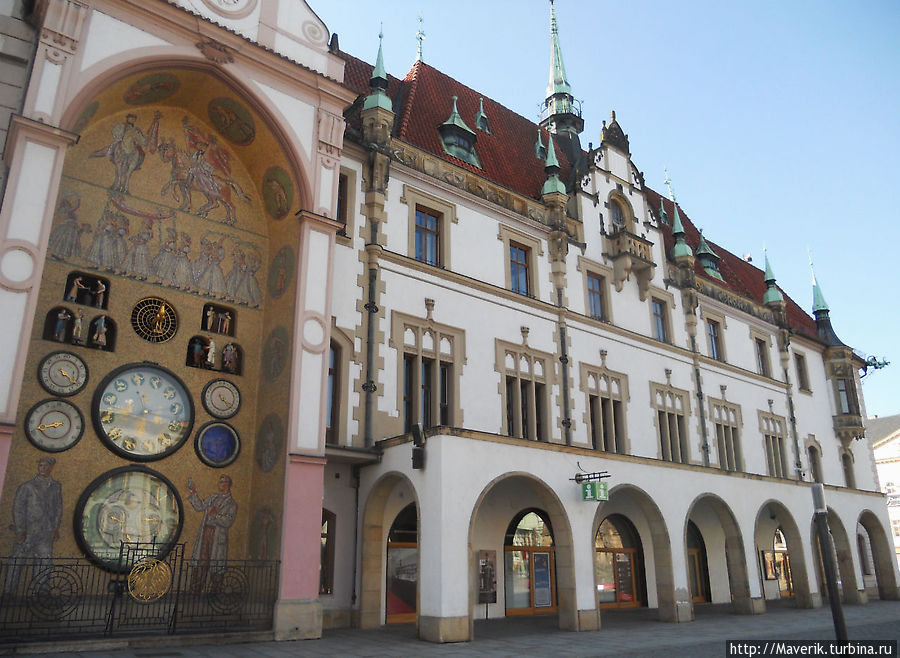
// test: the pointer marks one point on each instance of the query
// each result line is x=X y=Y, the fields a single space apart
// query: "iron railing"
x=59 y=597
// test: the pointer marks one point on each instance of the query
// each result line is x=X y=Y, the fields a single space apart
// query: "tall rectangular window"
x=409 y=383
x=596 y=302
x=607 y=392
x=518 y=268
x=762 y=358
x=671 y=426
x=326 y=565
x=726 y=418
x=802 y=374
x=660 y=331
x=715 y=340
x=772 y=428
x=427 y=387
x=525 y=392
x=446 y=378
x=845 y=400
x=428 y=236
x=343 y=182
x=333 y=393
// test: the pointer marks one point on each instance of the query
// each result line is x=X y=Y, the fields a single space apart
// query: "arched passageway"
x=882 y=556
x=782 y=564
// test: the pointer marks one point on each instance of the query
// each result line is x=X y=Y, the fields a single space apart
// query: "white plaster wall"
x=339 y=498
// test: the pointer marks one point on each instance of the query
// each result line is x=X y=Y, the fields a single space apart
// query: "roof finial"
x=819 y=303
x=668 y=182
x=558 y=82
x=773 y=294
x=420 y=37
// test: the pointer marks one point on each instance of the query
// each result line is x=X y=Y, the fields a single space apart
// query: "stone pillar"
x=34 y=155
x=298 y=613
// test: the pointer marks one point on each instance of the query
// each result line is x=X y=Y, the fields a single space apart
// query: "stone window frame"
x=534 y=247
x=547 y=378
x=772 y=428
x=812 y=443
x=727 y=415
x=589 y=267
x=446 y=212
x=768 y=339
x=683 y=411
x=851 y=395
x=847 y=461
x=400 y=323
x=668 y=300
x=802 y=370
x=722 y=323
x=346 y=354
x=615 y=196
x=594 y=374
x=345 y=237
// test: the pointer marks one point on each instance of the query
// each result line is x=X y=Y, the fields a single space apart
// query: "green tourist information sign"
x=598 y=491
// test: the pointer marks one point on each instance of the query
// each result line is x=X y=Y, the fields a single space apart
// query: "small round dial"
x=142 y=411
x=130 y=504
x=217 y=444
x=54 y=425
x=62 y=373
x=221 y=398
x=154 y=320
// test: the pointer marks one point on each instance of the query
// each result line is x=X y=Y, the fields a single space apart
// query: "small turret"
x=458 y=139
x=773 y=294
x=709 y=259
x=378 y=84
x=823 y=314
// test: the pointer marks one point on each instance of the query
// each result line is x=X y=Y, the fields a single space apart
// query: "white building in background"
x=341 y=257
x=884 y=435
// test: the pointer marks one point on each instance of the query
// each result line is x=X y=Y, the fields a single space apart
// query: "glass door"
x=402 y=581
x=615 y=577
x=530 y=580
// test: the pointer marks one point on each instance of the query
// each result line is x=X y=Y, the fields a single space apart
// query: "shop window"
x=530 y=565
x=86 y=290
x=618 y=564
x=218 y=319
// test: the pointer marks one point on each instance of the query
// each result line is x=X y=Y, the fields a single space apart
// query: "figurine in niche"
x=211 y=354
x=99 y=337
x=37 y=512
x=225 y=323
x=210 y=314
x=229 y=358
x=99 y=292
x=76 y=287
x=78 y=328
x=196 y=350
x=211 y=547
x=62 y=324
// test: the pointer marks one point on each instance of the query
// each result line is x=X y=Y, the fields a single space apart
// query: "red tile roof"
x=422 y=101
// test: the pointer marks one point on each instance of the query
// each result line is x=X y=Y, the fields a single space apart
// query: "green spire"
x=552 y=184
x=681 y=248
x=481 y=120
x=708 y=259
x=704 y=249
x=819 y=303
x=663 y=215
x=378 y=83
x=539 y=149
x=558 y=83
x=456 y=120
x=772 y=294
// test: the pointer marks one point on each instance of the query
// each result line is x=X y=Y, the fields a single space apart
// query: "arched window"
x=618 y=564
x=815 y=463
x=847 y=464
x=402 y=569
x=617 y=215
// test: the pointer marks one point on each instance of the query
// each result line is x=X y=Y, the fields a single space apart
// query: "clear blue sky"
x=778 y=122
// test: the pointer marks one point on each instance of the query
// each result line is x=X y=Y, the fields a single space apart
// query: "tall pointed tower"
x=561 y=115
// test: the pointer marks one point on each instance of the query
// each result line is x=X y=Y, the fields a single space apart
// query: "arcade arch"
x=782 y=563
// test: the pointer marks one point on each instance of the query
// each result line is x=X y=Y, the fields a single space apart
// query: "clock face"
x=154 y=320
x=62 y=373
x=54 y=425
x=221 y=398
x=217 y=444
x=131 y=504
x=142 y=411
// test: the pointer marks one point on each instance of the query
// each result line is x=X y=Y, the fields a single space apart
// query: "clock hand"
x=43 y=427
x=222 y=398
x=65 y=374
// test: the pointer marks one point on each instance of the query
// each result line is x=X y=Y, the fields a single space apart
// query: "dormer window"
x=458 y=139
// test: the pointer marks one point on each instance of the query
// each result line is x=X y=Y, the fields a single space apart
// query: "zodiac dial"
x=142 y=411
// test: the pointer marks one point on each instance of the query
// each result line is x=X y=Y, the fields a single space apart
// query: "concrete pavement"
x=624 y=633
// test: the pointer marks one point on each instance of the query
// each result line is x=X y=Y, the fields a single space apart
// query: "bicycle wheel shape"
x=229 y=591
x=54 y=593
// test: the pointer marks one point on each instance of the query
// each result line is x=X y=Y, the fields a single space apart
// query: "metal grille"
x=54 y=598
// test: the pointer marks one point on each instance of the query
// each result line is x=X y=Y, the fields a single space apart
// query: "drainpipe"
x=355 y=475
x=564 y=360
x=705 y=446
x=798 y=465
x=369 y=387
